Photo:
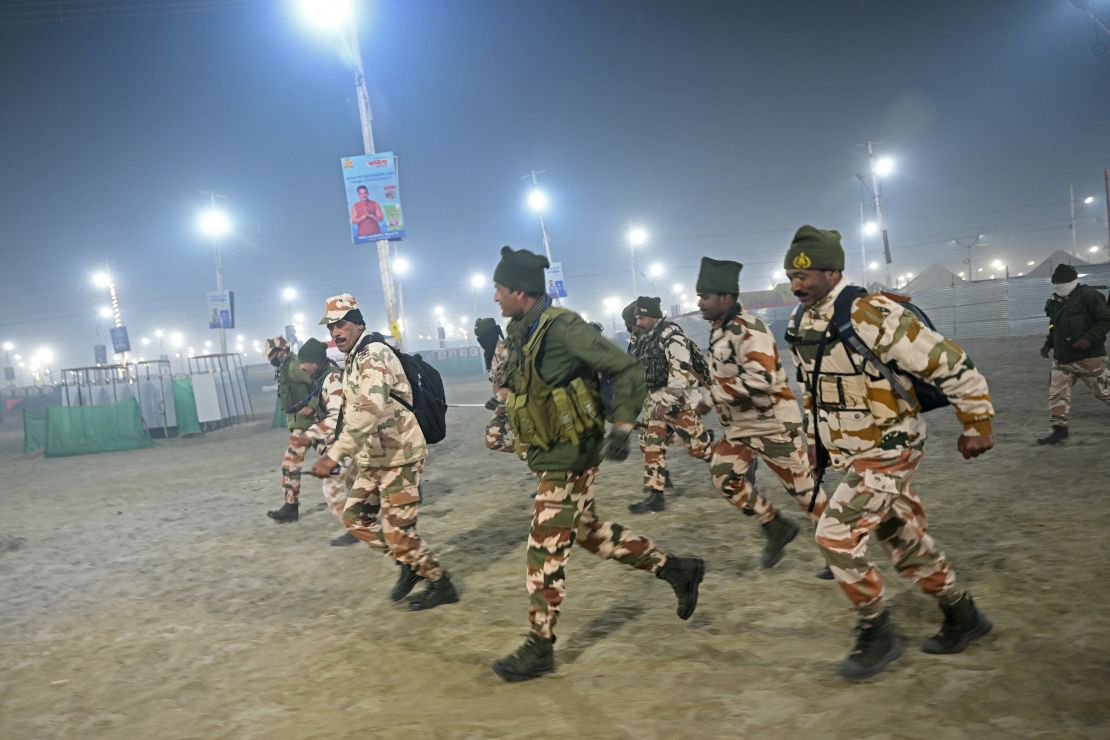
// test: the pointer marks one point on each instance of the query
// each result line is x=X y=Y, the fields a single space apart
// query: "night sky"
x=719 y=127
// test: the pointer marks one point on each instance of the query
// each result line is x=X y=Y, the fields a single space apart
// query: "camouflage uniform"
x=320 y=434
x=564 y=513
x=679 y=394
x=293 y=384
x=498 y=437
x=1093 y=371
x=760 y=417
x=385 y=441
x=877 y=439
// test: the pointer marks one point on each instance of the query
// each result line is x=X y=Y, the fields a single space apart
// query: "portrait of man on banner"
x=373 y=197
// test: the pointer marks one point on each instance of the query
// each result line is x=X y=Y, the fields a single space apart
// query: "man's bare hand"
x=324 y=467
x=305 y=412
x=975 y=446
x=703 y=408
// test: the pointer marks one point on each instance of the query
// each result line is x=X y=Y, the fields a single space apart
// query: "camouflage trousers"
x=785 y=456
x=656 y=432
x=875 y=496
x=1095 y=372
x=564 y=514
x=498 y=436
x=381 y=510
x=291 y=463
x=337 y=486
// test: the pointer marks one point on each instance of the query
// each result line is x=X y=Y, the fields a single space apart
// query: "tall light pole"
x=289 y=294
x=104 y=279
x=969 y=245
x=215 y=224
x=538 y=202
x=9 y=371
x=338 y=16
x=878 y=168
x=1071 y=200
x=401 y=268
x=637 y=237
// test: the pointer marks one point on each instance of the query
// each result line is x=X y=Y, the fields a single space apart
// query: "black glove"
x=491 y=404
x=1082 y=344
x=616 y=444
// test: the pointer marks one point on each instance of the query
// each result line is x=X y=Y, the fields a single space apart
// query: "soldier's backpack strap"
x=842 y=325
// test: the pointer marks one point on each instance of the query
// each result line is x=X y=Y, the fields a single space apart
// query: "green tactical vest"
x=294 y=385
x=544 y=416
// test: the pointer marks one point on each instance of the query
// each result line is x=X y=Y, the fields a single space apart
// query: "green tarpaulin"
x=88 y=429
x=34 y=431
x=185 y=406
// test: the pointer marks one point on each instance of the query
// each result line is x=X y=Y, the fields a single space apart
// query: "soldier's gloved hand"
x=1082 y=343
x=491 y=404
x=617 y=444
x=1046 y=349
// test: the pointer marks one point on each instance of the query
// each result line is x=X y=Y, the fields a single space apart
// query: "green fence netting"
x=88 y=429
x=185 y=406
x=34 y=431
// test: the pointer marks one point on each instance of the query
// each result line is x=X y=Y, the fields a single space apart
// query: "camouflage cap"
x=338 y=306
x=815 y=249
x=273 y=344
x=649 y=306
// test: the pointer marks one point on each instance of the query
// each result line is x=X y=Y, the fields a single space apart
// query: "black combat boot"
x=826 y=574
x=962 y=624
x=533 y=659
x=653 y=502
x=344 y=540
x=406 y=582
x=667 y=479
x=436 y=594
x=684 y=575
x=779 y=532
x=287 y=513
x=876 y=645
x=1059 y=434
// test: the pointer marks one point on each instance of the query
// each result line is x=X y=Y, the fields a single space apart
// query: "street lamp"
x=1071 y=199
x=637 y=237
x=9 y=371
x=538 y=202
x=337 y=16
x=289 y=294
x=103 y=279
x=215 y=224
x=880 y=167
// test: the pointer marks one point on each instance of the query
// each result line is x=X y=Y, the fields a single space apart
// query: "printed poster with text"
x=373 y=197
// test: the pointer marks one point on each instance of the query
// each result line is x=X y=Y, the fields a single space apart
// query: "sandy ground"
x=146 y=595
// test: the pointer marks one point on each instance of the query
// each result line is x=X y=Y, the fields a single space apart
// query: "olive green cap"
x=718 y=276
x=815 y=249
x=521 y=270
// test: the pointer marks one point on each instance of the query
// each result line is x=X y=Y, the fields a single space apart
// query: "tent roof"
x=1059 y=257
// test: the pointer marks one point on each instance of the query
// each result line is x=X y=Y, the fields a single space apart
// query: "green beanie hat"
x=649 y=306
x=481 y=326
x=314 y=351
x=815 y=249
x=521 y=270
x=718 y=276
x=629 y=314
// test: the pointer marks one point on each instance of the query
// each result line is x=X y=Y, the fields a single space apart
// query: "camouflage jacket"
x=682 y=388
x=497 y=372
x=858 y=413
x=750 y=390
x=329 y=402
x=378 y=432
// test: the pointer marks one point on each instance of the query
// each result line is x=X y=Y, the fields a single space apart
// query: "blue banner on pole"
x=553 y=275
x=221 y=309
x=373 y=197
x=120 y=342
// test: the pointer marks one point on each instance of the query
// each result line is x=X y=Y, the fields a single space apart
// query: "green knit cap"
x=815 y=249
x=649 y=306
x=481 y=326
x=314 y=351
x=718 y=276
x=521 y=270
x=629 y=314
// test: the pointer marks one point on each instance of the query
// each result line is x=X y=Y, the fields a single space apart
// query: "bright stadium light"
x=325 y=14
x=637 y=236
x=1031 y=262
x=884 y=166
x=477 y=281
x=214 y=222
x=1088 y=200
x=655 y=270
x=289 y=294
x=870 y=228
x=101 y=279
x=1093 y=249
x=537 y=200
x=401 y=265
x=105 y=312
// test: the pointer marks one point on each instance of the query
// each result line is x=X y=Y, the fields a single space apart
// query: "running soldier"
x=491 y=339
x=757 y=409
x=327 y=384
x=296 y=399
x=382 y=435
x=553 y=361
x=670 y=363
x=1078 y=319
x=875 y=433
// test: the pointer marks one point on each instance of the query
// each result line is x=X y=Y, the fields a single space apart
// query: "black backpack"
x=429 y=401
x=928 y=395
